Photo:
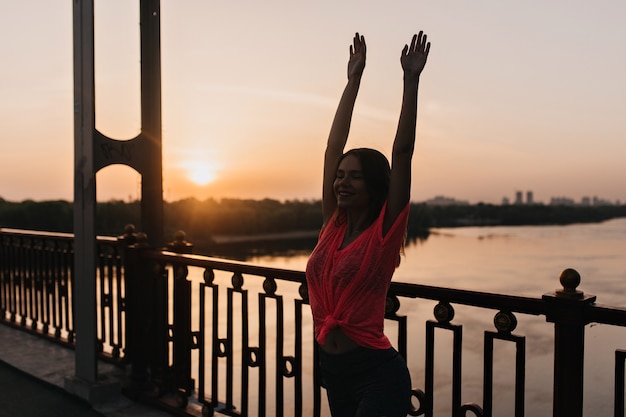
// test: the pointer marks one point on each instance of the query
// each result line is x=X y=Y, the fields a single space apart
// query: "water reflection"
x=247 y=250
x=515 y=260
x=278 y=246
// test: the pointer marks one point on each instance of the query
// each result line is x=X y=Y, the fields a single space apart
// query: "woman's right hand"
x=340 y=128
x=356 y=64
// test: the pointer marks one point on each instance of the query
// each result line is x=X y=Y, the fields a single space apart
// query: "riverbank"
x=297 y=234
x=230 y=221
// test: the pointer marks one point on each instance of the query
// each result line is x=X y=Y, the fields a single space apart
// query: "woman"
x=365 y=206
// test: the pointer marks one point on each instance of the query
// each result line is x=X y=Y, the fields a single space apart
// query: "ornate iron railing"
x=36 y=288
x=203 y=334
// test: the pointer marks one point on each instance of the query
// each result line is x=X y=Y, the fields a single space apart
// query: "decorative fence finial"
x=180 y=244
x=570 y=280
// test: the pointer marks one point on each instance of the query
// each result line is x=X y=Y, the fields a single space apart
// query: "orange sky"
x=516 y=96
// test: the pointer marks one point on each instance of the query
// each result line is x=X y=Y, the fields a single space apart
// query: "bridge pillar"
x=93 y=151
x=84 y=294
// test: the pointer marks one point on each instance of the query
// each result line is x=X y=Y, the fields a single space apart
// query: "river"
x=520 y=260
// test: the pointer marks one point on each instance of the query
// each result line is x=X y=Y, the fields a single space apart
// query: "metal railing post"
x=138 y=321
x=182 y=337
x=567 y=309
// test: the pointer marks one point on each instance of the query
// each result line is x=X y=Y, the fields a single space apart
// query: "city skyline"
x=528 y=198
x=438 y=199
x=514 y=96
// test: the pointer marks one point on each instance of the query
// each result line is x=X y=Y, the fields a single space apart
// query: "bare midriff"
x=337 y=342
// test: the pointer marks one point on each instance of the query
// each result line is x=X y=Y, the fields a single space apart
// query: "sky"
x=516 y=96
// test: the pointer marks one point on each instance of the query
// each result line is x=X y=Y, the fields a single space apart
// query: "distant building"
x=562 y=201
x=584 y=202
x=505 y=201
x=445 y=201
x=601 y=202
x=519 y=198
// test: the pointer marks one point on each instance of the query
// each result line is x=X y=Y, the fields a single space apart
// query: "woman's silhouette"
x=365 y=207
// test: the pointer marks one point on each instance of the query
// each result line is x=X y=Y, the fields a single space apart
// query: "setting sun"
x=201 y=172
x=235 y=130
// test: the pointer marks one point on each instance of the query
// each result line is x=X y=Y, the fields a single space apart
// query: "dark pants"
x=366 y=383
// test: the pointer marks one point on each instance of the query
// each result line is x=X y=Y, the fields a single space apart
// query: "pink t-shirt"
x=348 y=287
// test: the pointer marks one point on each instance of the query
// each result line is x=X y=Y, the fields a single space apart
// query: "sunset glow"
x=526 y=96
x=200 y=172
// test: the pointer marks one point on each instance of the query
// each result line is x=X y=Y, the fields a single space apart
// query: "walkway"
x=32 y=373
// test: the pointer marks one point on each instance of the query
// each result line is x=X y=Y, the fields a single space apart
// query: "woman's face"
x=349 y=186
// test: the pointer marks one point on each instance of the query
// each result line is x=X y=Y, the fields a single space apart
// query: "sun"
x=201 y=172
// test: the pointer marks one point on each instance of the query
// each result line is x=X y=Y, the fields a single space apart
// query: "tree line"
x=201 y=220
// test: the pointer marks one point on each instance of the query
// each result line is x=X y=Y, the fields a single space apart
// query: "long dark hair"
x=376 y=172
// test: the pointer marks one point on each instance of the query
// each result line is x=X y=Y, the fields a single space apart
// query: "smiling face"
x=349 y=186
x=362 y=181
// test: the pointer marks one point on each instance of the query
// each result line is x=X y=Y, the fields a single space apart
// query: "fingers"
x=419 y=43
x=412 y=49
x=423 y=44
x=358 y=43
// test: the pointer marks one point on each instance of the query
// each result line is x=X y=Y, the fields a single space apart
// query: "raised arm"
x=341 y=124
x=413 y=60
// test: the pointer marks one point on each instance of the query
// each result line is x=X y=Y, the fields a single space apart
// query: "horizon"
x=435 y=200
x=513 y=97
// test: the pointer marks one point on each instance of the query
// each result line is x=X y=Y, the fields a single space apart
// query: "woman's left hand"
x=414 y=57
